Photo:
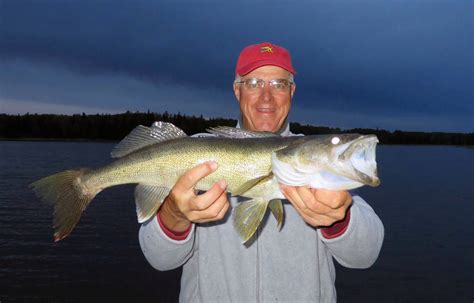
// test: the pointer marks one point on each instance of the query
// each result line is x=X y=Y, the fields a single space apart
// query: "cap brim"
x=250 y=67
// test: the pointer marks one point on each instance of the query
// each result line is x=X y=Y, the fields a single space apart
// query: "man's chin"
x=266 y=127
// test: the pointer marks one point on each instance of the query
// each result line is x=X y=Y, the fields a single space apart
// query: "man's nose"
x=266 y=93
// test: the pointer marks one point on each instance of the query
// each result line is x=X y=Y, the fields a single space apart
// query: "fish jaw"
x=287 y=174
x=359 y=160
x=335 y=162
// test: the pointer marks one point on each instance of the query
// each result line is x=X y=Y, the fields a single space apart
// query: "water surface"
x=425 y=203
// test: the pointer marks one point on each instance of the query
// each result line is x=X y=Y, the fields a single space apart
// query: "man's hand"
x=318 y=207
x=183 y=206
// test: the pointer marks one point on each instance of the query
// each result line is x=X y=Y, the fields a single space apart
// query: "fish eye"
x=335 y=140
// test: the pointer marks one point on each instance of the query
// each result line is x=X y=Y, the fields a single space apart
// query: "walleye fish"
x=252 y=164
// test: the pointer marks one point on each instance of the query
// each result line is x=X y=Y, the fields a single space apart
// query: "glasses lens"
x=279 y=84
x=252 y=83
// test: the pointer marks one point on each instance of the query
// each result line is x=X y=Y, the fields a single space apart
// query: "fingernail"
x=213 y=165
x=223 y=184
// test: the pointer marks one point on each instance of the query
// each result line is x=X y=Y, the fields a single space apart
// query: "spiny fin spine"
x=142 y=136
x=238 y=133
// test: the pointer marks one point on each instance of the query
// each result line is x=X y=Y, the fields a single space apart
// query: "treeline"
x=116 y=126
x=396 y=137
x=96 y=127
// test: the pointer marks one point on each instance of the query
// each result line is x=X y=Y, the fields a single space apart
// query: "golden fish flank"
x=155 y=157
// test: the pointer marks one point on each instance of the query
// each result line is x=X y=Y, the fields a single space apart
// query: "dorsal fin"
x=142 y=136
x=238 y=133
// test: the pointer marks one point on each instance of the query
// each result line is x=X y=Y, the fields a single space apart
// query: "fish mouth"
x=361 y=154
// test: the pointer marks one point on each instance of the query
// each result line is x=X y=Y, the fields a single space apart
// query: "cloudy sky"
x=392 y=64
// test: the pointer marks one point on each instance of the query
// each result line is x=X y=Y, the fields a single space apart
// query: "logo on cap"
x=266 y=49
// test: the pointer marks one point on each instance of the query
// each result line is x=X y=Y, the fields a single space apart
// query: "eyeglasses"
x=255 y=84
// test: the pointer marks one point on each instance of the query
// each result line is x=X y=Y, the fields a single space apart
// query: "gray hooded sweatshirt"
x=294 y=264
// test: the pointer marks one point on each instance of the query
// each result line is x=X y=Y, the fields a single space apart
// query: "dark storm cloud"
x=52 y=89
x=371 y=59
x=392 y=55
x=143 y=38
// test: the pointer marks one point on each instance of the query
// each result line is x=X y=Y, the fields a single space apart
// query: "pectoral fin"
x=277 y=210
x=247 y=186
x=148 y=199
x=247 y=217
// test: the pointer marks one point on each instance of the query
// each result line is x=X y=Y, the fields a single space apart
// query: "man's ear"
x=293 y=89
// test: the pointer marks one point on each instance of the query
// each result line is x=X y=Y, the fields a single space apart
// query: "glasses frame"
x=261 y=83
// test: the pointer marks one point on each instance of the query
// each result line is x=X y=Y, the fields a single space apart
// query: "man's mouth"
x=265 y=110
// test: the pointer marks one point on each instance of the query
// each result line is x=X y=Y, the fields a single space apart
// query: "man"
x=291 y=265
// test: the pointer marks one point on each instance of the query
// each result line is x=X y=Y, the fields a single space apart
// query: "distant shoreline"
x=114 y=127
x=60 y=140
x=116 y=141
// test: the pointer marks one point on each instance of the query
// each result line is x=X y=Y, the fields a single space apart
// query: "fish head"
x=339 y=162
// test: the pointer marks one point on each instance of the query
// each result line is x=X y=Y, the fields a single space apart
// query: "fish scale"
x=251 y=163
x=163 y=163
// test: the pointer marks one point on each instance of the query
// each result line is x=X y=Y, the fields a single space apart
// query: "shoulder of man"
x=290 y=134
x=286 y=132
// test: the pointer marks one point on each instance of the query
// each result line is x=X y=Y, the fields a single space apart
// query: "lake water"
x=426 y=202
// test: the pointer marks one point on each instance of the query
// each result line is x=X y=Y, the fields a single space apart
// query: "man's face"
x=264 y=109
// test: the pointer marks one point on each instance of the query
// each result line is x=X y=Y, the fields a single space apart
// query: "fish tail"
x=247 y=217
x=66 y=192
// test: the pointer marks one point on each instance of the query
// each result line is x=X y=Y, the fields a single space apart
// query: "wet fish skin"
x=337 y=162
x=156 y=168
x=157 y=156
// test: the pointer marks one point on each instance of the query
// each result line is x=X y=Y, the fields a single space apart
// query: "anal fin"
x=148 y=199
x=277 y=210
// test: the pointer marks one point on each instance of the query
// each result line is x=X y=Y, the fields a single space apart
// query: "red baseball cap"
x=266 y=53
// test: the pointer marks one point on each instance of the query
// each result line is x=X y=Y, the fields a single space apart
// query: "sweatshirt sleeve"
x=162 y=252
x=359 y=246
